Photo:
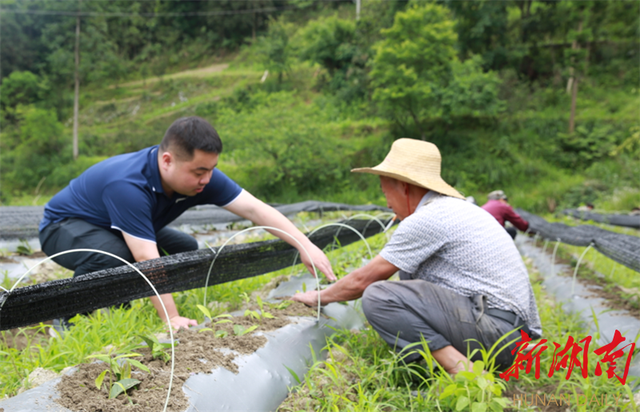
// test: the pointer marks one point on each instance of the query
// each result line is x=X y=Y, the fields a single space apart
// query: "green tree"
x=417 y=76
x=41 y=147
x=276 y=49
x=340 y=48
x=21 y=88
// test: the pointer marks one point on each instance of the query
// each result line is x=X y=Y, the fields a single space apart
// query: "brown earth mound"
x=196 y=352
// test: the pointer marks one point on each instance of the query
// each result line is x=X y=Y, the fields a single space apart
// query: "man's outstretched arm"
x=351 y=286
x=144 y=250
x=255 y=210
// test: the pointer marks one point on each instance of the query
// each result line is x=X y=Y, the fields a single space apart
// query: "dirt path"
x=203 y=72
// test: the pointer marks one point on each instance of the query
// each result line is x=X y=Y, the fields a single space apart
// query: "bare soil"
x=196 y=352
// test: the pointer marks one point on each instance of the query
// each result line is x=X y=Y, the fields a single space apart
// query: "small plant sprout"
x=119 y=370
x=207 y=313
x=158 y=350
x=245 y=296
x=24 y=248
x=279 y=306
x=259 y=315
x=240 y=330
x=265 y=314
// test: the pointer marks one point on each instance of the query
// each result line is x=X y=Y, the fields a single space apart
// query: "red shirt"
x=502 y=212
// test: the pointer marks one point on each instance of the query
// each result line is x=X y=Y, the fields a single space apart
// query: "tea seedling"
x=240 y=330
x=279 y=306
x=207 y=313
x=158 y=350
x=119 y=369
x=262 y=314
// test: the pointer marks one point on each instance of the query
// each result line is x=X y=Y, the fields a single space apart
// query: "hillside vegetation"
x=491 y=83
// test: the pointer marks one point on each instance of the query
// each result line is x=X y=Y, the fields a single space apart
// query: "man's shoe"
x=60 y=326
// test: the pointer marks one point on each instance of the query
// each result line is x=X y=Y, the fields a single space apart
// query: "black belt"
x=510 y=317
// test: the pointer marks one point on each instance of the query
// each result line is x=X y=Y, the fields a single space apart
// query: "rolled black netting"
x=21 y=222
x=616 y=220
x=624 y=249
x=175 y=273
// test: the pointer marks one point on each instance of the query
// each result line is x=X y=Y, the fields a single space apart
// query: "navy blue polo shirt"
x=125 y=193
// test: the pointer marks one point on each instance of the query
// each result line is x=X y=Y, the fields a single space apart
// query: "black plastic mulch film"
x=624 y=249
x=616 y=220
x=37 y=303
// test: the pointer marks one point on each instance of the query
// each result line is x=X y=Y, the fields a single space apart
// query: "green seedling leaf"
x=268 y=315
x=149 y=341
x=259 y=300
x=224 y=321
x=304 y=287
x=465 y=376
x=138 y=365
x=482 y=383
x=239 y=330
x=448 y=391
x=462 y=403
x=100 y=378
x=497 y=406
x=122 y=386
x=478 y=367
x=478 y=407
x=205 y=330
x=205 y=311
x=221 y=334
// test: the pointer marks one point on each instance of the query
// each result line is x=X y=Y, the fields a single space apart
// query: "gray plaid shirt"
x=459 y=246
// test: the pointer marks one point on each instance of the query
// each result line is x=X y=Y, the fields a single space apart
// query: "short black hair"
x=188 y=134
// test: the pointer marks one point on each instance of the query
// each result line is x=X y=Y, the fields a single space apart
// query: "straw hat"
x=416 y=162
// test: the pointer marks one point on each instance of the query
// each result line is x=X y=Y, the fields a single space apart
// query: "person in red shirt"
x=498 y=207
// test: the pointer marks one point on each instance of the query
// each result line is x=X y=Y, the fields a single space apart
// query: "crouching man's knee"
x=376 y=302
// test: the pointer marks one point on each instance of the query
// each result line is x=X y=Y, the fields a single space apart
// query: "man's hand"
x=178 y=322
x=320 y=260
x=262 y=214
x=309 y=298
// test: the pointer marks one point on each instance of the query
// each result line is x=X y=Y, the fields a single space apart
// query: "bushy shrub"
x=283 y=149
x=42 y=147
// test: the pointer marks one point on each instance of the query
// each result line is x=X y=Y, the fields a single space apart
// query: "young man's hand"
x=320 y=261
x=178 y=322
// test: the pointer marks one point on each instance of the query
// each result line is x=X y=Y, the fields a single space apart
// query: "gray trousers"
x=401 y=312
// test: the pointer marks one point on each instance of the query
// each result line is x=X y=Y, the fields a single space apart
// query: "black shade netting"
x=21 y=222
x=624 y=249
x=616 y=220
x=37 y=303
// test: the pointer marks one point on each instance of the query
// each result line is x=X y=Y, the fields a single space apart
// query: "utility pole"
x=358 y=9
x=77 y=88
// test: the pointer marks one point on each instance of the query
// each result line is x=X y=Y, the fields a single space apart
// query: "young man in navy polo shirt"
x=123 y=204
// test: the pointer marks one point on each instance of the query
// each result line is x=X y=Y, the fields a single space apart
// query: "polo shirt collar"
x=154 y=178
